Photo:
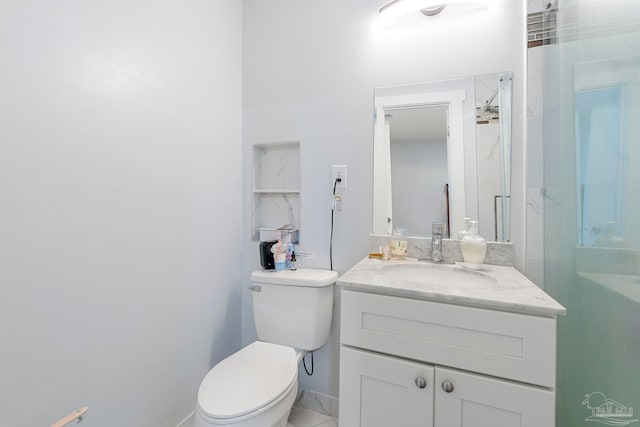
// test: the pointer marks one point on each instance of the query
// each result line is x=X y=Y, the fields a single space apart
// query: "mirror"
x=441 y=153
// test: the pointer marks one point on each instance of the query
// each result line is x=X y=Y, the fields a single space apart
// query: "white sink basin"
x=436 y=274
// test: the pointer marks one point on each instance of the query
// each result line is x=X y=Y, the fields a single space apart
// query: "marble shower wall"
x=535 y=192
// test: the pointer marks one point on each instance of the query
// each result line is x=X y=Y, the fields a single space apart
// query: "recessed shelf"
x=276 y=187
x=287 y=235
x=276 y=191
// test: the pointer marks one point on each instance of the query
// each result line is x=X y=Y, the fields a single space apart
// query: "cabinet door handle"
x=421 y=382
x=447 y=386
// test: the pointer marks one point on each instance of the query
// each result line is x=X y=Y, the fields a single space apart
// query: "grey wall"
x=309 y=70
x=120 y=151
x=419 y=173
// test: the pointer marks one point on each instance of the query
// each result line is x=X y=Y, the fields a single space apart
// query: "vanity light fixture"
x=399 y=8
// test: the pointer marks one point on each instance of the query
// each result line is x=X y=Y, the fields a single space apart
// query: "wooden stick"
x=75 y=415
x=446 y=197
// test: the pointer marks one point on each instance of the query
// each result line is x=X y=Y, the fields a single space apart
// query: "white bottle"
x=474 y=247
x=467 y=228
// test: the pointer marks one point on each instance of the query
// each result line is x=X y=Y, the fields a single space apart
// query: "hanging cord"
x=304 y=363
x=333 y=208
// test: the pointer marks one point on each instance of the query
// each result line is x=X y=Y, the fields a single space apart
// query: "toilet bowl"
x=254 y=387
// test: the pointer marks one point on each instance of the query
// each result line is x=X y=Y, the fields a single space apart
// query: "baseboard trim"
x=318 y=402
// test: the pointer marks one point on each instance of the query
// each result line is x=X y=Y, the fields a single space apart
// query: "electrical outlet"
x=339 y=171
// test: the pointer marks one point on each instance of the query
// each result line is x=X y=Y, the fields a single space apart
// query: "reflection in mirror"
x=604 y=136
x=601 y=168
x=441 y=153
x=399 y=100
x=493 y=151
x=418 y=139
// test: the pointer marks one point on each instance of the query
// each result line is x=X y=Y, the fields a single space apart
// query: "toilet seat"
x=248 y=380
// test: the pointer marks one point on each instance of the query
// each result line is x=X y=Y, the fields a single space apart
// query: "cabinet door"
x=384 y=391
x=468 y=400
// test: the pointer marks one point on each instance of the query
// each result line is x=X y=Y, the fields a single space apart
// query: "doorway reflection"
x=419 y=171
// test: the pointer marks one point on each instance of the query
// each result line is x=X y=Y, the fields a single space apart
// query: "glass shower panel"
x=601 y=165
x=591 y=139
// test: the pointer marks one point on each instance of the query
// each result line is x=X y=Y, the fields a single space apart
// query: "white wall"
x=310 y=68
x=120 y=150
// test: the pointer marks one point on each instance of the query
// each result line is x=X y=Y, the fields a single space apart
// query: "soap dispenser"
x=474 y=247
x=398 y=244
x=467 y=228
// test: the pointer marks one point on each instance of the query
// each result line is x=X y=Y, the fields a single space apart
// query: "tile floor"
x=302 y=417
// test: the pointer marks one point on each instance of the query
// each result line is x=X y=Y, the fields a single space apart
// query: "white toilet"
x=256 y=386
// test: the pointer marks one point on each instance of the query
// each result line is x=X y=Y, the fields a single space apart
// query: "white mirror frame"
x=453 y=100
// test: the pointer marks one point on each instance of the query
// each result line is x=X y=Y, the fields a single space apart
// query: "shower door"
x=591 y=98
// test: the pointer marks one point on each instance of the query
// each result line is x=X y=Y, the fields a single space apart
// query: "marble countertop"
x=510 y=291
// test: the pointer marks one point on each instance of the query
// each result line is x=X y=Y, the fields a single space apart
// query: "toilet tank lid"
x=309 y=277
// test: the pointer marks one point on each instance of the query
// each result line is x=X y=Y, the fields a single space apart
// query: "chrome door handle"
x=447 y=386
x=255 y=288
x=421 y=382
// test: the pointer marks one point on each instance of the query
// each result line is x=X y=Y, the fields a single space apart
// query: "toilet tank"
x=293 y=308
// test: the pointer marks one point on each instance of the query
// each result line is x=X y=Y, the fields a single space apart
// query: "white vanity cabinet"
x=377 y=390
x=409 y=362
x=469 y=400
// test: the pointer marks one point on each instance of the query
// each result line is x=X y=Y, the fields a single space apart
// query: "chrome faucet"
x=436 y=242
